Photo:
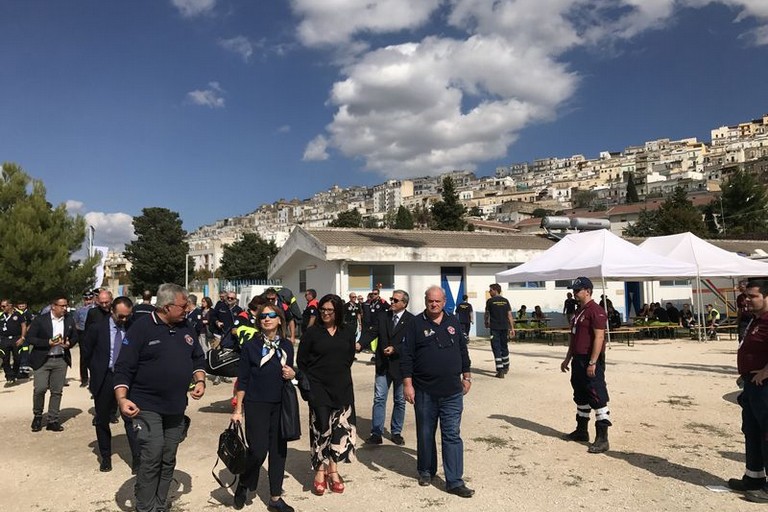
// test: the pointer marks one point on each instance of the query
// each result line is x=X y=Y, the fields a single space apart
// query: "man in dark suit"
x=101 y=347
x=391 y=329
x=50 y=336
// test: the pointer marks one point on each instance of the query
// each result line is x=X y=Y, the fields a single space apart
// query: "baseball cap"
x=581 y=283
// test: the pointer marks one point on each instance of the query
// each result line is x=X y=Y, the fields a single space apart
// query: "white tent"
x=597 y=254
x=710 y=260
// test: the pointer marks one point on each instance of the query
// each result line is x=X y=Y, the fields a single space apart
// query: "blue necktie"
x=116 y=344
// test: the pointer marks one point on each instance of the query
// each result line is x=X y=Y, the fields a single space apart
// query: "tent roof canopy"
x=710 y=260
x=597 y=255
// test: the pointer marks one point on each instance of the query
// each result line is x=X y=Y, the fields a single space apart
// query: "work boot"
x=581 y=434
x=746 y=483
x=601 y=439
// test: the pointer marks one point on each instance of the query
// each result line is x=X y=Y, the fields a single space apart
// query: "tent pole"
x=605 y=308
x=700 y=306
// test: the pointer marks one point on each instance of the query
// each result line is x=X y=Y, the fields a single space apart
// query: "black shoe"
x=425 y=480
x=37 y=424
x=500 y=374
x=115 y=419
x=746 y=483
x=241 y=493
x=105 y=466
x=83 y=383
x=758 y=496
x=66 y=383
x=505 y=370
x=93 y=421
x=462 y=491
x=9 y=383
x=279 y=506
x=374 y=439
x=54 y=426
x=398 y=439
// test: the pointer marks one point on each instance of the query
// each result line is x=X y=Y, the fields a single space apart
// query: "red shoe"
x=337 y=487
x=318 y=488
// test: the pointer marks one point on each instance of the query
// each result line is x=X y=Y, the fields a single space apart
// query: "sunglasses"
x=271 y=314
x=394 y=300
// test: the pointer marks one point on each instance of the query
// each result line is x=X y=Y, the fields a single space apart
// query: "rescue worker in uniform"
x=586 y=352
x=752 y=364
x=13 y=330
x=501 y=323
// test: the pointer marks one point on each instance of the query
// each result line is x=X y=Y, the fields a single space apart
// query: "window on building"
x=563 y=283
x=676 y=282
x=365 y=277
x=302 y=280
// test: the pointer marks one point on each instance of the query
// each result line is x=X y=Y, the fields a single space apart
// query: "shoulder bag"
x=232 y=451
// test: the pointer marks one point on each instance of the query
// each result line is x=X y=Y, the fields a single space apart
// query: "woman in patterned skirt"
x=326 y=354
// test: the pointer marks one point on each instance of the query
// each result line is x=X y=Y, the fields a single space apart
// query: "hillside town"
x=507 y=201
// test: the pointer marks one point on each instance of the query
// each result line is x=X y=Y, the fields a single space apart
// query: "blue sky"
x=213 y=107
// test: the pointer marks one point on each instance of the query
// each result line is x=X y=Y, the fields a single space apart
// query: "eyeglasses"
x=327 y=311
x=231 y=298
x=271 y=314
x=393 y=300
x=182 y=306
x=272 y=299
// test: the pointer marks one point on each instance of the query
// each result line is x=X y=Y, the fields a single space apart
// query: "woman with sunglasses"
x=326 y=353
x=266 y=361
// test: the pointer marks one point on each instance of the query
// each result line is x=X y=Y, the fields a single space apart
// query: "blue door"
x=453 y=283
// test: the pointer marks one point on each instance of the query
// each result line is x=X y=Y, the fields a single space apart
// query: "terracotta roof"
x=351 y=237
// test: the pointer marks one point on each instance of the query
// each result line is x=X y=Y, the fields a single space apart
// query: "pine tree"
x=632 y=196
x=248 y=258
x=448 y=214
x=744 y=203
x=157 y=255
x=404 y=219
x=37 y=242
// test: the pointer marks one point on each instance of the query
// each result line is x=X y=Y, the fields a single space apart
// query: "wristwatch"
x=591 y=363
x=468 y=379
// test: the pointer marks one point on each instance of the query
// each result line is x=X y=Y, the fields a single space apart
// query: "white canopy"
x=710 y=260
x=597 y=254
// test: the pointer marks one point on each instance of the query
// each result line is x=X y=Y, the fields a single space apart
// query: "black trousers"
x=104 y=403
x=589 y=390
x=262 y=431
x=83 y=361
x=8 y=345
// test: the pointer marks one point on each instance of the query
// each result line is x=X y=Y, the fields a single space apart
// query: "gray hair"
x=406 y=297
x=192 y=298
x=167 y=293
x=435 y=287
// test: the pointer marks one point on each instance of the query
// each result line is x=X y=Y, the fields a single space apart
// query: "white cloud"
x=239 y=45
x=74 y=207
x=211 y=97
x=112 y=229
x=334 y=22
x=190 y=8
x=443 y=102
x=317 y=149
x=286 y=128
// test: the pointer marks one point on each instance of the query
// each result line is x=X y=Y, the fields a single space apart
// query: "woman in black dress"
x=266 y=362
x=326 y=354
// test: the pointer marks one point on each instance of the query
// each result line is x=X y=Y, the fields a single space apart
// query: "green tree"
x=348 y=219
x=37 y=242
x=422 y=217
x=632 y=196
x=157 y=255
x=744 y=203
x=371 y=223
x=676 y=215
x=448 y=213
x=475 y=211
x=583 y=198
x=540 y=213
x=248 y=258
x=404 y=219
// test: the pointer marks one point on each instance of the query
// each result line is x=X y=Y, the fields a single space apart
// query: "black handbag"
x=232 y=451
x=223 y=362
x=290 y=424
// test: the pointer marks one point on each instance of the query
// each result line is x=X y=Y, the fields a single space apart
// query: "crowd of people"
x=142 y=361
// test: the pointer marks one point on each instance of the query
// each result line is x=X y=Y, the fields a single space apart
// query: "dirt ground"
x=676 y=430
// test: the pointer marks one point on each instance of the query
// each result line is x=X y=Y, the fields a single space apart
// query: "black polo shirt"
x=497 y=308
x=435 y=355
x=10 y=324
x=157 y=362
x=464 y=312
x=351 y=310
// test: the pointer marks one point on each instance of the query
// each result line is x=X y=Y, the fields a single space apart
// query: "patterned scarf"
x=270 y=348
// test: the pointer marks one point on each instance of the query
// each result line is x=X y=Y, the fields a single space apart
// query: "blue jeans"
x=429 y=409
x=499 y=341
x=380 y=389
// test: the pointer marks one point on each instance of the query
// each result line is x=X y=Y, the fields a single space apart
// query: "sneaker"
x=398 y=439
x=374 y=439
x=279 y=506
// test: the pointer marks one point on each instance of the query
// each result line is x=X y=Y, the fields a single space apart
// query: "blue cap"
x=580 y=283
